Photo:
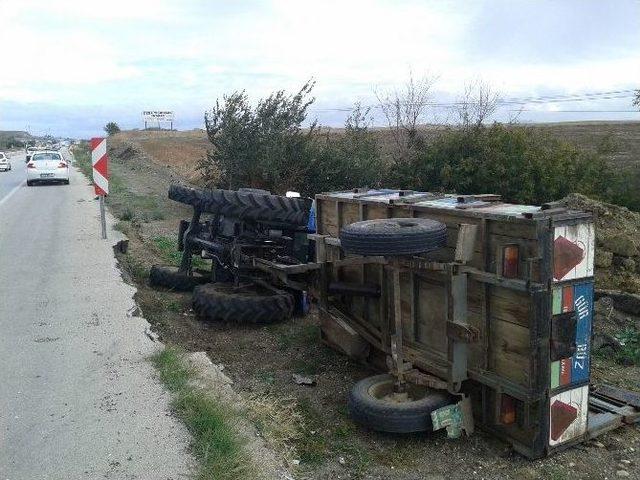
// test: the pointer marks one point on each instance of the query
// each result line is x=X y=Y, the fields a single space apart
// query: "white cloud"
x=185 y=54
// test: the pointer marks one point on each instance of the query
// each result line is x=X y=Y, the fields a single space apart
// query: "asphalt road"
x=11 y=180
x=78 y=397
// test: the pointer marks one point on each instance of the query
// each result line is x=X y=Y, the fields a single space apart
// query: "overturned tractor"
x=233 y=229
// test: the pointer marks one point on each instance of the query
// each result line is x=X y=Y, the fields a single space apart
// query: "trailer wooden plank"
x=510 y=351
x=510 y=306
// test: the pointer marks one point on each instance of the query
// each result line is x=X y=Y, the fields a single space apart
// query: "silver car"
x=5 y=164
x=47 y=166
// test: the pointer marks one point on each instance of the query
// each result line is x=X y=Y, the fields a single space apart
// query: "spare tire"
x=393 y=236
x=173 y=278
x=244 y=304
x=373 y=404
x=245 y=205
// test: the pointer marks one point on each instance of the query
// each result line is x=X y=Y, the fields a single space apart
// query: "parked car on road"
x=47 y=166
x=5 y=164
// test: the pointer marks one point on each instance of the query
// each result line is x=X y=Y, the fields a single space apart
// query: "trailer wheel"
x=245 y=205
x=373 y=404
x=393 y=236
x=244 y=304
x=171 y=277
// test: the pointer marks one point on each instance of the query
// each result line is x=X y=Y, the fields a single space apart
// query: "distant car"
x=5 y=164
x=30 y=152
x=46 y=166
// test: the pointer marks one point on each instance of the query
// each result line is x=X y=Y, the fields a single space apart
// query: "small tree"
x=476 y=105
x=111 y=128
x=264 y=147
x=404 y=110
x=636 y=99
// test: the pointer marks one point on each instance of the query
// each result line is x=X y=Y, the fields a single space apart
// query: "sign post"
x=100 y=162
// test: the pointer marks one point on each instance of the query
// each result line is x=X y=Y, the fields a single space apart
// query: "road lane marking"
x=8 y=195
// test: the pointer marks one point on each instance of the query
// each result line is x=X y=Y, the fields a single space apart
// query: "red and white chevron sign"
x=100 y=162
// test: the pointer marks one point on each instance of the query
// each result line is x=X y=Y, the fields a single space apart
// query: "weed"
x=122 y=226
x=629 y=353
x=268 y=378
x=134 y=267
x=168 y=249
x=175 y=306
x=126 y=214
x=554 y=473
x=215 y=444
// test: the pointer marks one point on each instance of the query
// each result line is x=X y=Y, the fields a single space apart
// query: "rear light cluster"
x=510 y=257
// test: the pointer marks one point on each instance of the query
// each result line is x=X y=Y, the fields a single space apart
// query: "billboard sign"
x=157 y=116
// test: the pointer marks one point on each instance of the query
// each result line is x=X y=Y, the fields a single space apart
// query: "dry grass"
x=279 y=422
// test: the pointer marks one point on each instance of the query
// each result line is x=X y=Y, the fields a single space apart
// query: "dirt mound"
x=617 y=242
x=178 y=151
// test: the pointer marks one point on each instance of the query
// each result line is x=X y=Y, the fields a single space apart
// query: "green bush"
x=262 y=147
x=522 y=164
x=267 y=147
x=346 y=160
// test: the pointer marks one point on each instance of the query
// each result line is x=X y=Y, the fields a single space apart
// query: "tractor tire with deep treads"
x=393 y=236
x=254 y=190
x=224 y=302
x=245 y=205
x=171 y=277
x=372 y=405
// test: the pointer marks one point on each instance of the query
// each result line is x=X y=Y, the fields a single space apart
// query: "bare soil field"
x=262 y=360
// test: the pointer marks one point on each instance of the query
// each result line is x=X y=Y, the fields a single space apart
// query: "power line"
x=540 y=100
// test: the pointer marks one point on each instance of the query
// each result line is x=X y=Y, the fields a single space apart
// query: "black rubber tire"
x=171 y=277
x=246 y=305
x=393 y=236
x=387 y=416
x=29 y=183
x=259 y=191
x=245 y=205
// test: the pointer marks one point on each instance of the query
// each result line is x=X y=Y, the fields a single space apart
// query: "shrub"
x=345 y=160
x=262 y=147
x=522 y=164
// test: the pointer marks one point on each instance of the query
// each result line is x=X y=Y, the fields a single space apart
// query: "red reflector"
x=507 y=410
x=30 y=165
x=510 y=261
x=62 y=165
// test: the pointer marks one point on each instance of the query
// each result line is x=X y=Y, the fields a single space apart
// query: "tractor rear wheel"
x=244 y=304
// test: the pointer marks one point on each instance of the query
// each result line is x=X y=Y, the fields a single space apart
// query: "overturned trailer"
x=499 y=312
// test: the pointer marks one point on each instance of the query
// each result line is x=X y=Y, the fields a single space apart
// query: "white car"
x=46 y=166
x=30 y=151
x=5 y=164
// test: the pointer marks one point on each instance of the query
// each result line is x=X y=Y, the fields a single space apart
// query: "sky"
x=69 y=67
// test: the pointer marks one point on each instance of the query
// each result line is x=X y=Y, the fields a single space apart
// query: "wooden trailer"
x=502 y=314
